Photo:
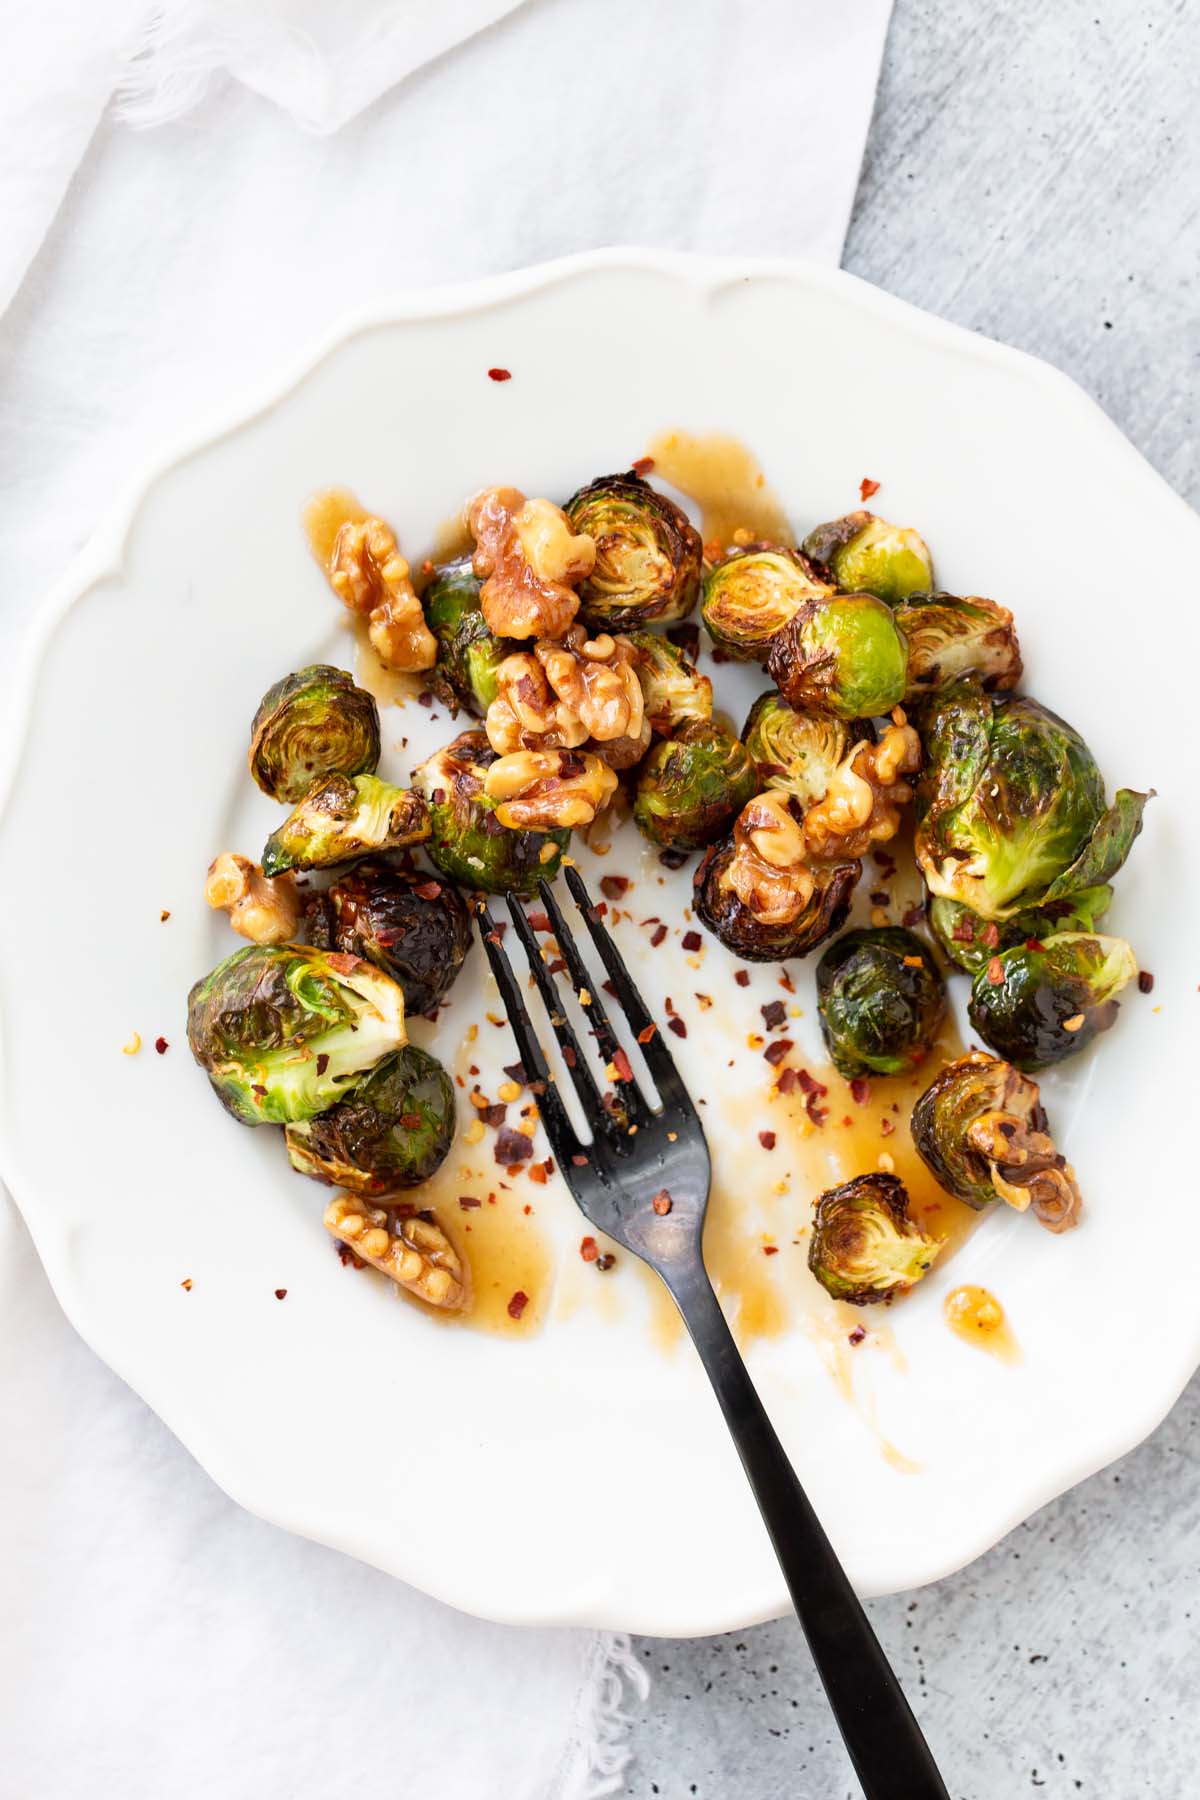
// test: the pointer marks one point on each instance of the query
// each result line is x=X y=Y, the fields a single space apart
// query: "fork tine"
x=574 y=1055
x=659 y=1060
x=606 y=1037
x=554 y=1115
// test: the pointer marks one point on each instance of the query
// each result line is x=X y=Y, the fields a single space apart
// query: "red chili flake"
x=642 y=466
x=646 y=1033
x=880 y=897
x=469 y=1202
x=691 y=940
x=589 y=1249
x=256 y=1089
x=677 y=1026
x=501 y=375
x=767 y=1139
x=163 y=916
x=538 y=921
x=492 y=1116
x=860 y=1090
x=342 y=963
x=912 y=915
x=786 y=982
x=810 y=1085
x=789 y=1080
x=621 y=1065
x=662 y=1203
x=556 y=967
x=670 y=1006
x=991 y=934
x=774 y=1014
x=867 y=487
x=742 y=977
x=886 y=1128
x=606 y=1262
x=1032 y=943
x=281 y=1293
x=424 y=698
x=818 y=1114
x=672 y=859
x=995 y=971
x=776 y=1052
x=1145 y=982
x=517 y=1304
x=473 y=1069
x=428 y=890
x=161 y=1045
x=514 y=1071
x=883 y=859
x=579 y=1162
x=857 y=1336
x=657 y=936
x=527 y=1209
x=186 y=1284
x=615 y=886
x=410 y=1121
x=568 y=1056
x=609 y=988
x=964 y=931
x=512 y=1147
x=770 y=1249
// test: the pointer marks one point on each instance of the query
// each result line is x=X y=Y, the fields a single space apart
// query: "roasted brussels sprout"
x=981 y=1129
x=284 y=1030
x=866 y=555
x=314 y=723
x=752 y=593
x=864 y=1247
x=468 y=651
x=1040 y=1002
x=949 y=638
x=777 y=932
x=393 y=1131
x=971 y=942
x=673 y=689
x=797 y=752
x=468 y=841
x=343 y=817
x=692 y=786
x=415 y=928
x=880 y=1000
x=842 y=655
x=648 y=554
x=1010 y=805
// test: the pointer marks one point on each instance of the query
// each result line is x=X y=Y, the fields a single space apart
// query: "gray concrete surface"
x=1033 y=171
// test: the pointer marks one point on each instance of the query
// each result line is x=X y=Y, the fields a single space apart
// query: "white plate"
x=582 y=1474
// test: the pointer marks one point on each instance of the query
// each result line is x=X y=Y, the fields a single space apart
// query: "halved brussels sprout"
x=1048 y=1000
x=718 y=906
x=343 y=817
x=648 y=554
x=1010 y=805
x=414 y=927
x=314 y=723
x=393 y=1131
x=752 y=593
x=864 y=1247
x=880 y=1000
x=692 y=786
x=283 y=1031
x=797 y=752
x=468 y=842
x=673 y=689
x=842 y=655
x=949 y=638
x=981 y=1129
x=469 y=653
x=971 y=941
x=866 y=555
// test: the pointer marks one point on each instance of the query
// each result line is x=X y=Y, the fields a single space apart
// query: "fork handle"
x=884 y=1741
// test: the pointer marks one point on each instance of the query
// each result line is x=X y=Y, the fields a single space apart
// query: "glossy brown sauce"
x=724 y=479
x=977 y=1317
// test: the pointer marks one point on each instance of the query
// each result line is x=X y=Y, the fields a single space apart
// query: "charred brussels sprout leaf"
x=866 y=555
x=314 y=723
x=718 y=906
x=284 y=1031
x=949 y=638
x=673 y=689
x=469 y=653
x=692 y=786
x=648 y=554
x=1106 y=849
x=842 y=655
x=797 y=752
x=981 y=1129
x=752 y=594
x=880 y=1000
x=415 y=928
x=344 y=817
x=393 y=1131
x=468 y=842
x=1051 y=998
x=1008 y=803
x=864 y=1247
x=971 y=941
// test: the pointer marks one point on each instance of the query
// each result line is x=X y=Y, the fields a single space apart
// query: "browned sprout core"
x=413 y=1252
x=540 y=790
x=530 y=560
x=370 y=577
x=265 y=909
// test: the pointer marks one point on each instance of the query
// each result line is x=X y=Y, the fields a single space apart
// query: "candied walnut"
x=369 y=576
x=1024 y=1166
x=597 y=678
x=866 y=793
x=568 y=692
x=541 y=790
x=529 y=558
x=414 y=1252
x=769 y=871
x=266 y=909
x=526 y=713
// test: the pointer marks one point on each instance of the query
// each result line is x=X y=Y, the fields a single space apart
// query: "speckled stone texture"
x=1033 y=171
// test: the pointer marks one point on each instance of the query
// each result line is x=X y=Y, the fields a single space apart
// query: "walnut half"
x=571 y=691
x=865 y=795
x=368 y=574
x=543 y=790
x=264 y=908
x=414 y=1252
x=769 y=872
x=530 y=560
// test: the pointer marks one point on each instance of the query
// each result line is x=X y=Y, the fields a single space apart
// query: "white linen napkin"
x=158 y=1640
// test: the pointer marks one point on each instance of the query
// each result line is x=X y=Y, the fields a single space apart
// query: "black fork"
x=644 y=1181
